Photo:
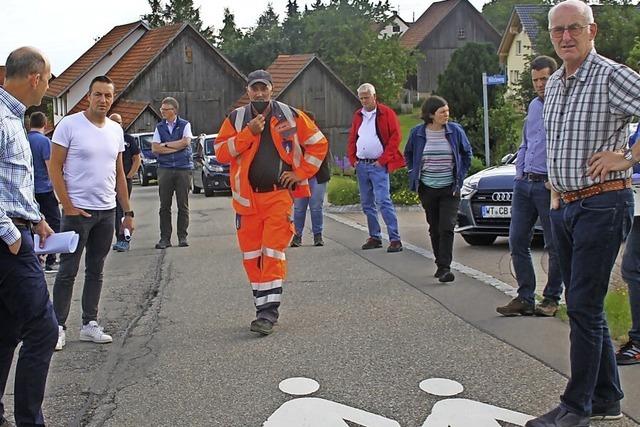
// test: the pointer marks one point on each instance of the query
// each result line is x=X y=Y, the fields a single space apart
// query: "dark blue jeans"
x=588 y=234
x=631 y=275
x=120 y=213
x=26 y=315
x=531 y=201
x=49 y=207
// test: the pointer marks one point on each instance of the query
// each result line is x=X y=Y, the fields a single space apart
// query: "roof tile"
x=431 y=17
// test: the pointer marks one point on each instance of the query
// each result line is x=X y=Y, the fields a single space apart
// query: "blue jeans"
x=588 y=235
x=373 y=182
x=631 y=275
x=315 y=206
x=531 y=201
x=26 y=315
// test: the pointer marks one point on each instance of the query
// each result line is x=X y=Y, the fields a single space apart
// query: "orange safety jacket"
x=298 y=140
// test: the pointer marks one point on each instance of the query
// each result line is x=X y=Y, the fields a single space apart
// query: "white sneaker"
x=93 y=332
x=62 y=338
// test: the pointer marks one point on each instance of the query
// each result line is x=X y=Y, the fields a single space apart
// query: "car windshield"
x=208 y=146
x=145 y=141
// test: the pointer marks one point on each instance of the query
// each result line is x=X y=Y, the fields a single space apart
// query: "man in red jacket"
x=373 y=149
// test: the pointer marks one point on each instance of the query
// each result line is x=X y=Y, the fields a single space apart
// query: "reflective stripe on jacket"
x=298 y=140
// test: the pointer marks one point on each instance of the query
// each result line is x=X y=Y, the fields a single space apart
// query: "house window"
x=518 y=48
x=188 y=55
x=396 y=28
x=514 y=77
x=461 y=34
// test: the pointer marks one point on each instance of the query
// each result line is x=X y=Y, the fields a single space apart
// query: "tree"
x=229 y=35
x=498 y=12
x=292 y=28
x=177 y=11
x=156 y=17
x=633 y=60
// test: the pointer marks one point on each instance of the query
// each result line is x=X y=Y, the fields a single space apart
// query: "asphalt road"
x=369 y=327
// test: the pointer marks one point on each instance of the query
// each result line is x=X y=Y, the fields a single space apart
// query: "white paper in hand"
x=58 y=243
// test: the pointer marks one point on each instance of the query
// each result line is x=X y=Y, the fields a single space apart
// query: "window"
x=396 y=28
x=518 y=48
x=461 y=34
x=188 y=55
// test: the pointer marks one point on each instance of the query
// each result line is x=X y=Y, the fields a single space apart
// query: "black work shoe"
x=446 y=276
x=395 y=246
x=609 y=412
x=629 y=354
x=317 y=240
x=296 y=241
x=372 y=243
x=516 y=306
x=163 y=245
x=559 y=417
x=262 y=326
x=547 y=308
x=183 y=243
x=439 y=272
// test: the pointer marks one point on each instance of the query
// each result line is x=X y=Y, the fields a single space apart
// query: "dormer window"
x=396 y=28
x=461 y=34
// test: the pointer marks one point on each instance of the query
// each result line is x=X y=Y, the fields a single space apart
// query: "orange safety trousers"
x=263 y=237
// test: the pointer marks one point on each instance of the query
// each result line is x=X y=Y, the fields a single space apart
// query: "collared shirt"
x=40 y=153
x=532 y=155
x=586 y=113
x=368 y=145
x=17 y=198
x=186 y=132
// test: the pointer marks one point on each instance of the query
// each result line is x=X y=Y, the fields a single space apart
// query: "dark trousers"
x=95 y=235
x=26 y=315
x=51 y=211
x=120 y=212
x=588 y=235
x=531 y=200
x=174 y=181
x=441 y=208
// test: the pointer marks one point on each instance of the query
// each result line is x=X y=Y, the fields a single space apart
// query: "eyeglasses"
x=167 y=109
x=573 y=29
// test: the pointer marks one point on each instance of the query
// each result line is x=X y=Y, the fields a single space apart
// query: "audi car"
x=149 y=167
x=485 y=204
x=208 y=173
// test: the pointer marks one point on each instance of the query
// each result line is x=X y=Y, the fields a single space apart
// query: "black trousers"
x=120 y=212
x=49 y=207
x=441 y=208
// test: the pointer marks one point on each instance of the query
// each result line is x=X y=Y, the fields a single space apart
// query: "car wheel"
x=208 y=192
x=480 y=240
x=196 y=189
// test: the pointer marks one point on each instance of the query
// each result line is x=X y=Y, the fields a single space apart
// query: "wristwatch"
x=628 y=156
x=129 y=213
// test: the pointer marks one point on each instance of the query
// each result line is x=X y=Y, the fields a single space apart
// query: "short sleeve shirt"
x=40 y=152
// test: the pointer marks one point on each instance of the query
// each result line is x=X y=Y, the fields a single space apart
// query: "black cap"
x=259 y=76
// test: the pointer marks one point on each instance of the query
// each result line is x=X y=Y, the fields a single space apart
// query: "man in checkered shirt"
x=589 y=102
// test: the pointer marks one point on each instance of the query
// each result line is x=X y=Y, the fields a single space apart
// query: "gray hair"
x=24 y=62
x=584 y=9
x=367 y=88
x=171 y=101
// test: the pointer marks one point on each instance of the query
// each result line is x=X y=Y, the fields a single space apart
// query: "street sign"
x=496 y=79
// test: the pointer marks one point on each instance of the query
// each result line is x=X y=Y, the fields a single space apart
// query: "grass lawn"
x=407 y=121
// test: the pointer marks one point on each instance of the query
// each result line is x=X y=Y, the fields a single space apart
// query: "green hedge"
x=343 y=190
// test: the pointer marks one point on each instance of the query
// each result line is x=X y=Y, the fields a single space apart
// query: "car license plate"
x=496 y=211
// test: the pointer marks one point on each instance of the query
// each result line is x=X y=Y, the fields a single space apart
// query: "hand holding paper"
x=58 y=243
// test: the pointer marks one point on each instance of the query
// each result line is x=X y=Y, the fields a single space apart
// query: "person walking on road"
x=530 y=201
x=318 y=187
x=588 y=105
x=172 y=144
x=438 y=156
x=46 y=198
x=131 y=161
x=26 y=313
x=87 y=175
x=273 y=150
x=372 y=149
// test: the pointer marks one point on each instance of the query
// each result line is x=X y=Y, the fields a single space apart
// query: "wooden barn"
x=147 y=65
x=444 y=27
x=305 y=82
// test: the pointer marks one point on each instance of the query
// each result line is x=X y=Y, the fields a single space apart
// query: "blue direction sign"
x=496 y=79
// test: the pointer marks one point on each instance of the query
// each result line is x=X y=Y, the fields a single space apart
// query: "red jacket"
x=388 y=130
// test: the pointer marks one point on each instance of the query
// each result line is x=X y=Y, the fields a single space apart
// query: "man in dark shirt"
x=46 y=198
x=131 y=162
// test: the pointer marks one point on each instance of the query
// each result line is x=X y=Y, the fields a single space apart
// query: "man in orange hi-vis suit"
x=273 y=149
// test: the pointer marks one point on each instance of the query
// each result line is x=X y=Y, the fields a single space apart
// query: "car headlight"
x=469 y=187
x=147 y=161
x=215 y=168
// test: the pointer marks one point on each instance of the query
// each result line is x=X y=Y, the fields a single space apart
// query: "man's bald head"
x=116 y=118
x=24 y=62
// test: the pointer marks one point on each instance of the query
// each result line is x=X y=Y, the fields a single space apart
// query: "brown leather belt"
x=19 y=222
x=615 y=185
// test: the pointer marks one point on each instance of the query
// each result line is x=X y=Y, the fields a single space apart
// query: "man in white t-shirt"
x=87 y=174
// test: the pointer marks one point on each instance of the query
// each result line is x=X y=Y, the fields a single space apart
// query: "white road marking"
x=299 y=386
x=441 y=387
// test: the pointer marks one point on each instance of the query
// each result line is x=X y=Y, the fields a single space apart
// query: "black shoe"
x=183 y=243
x=317 y=240
x=262 y=326
x=163 y=245
x=446 y=276
x=51 y=268
x=609 y=412
x=296 y=241
x=516 y=306
x=439 y=272
x=629 y=354
x=547 y=308
x=372 y=243
x=395 y=246
x=559 y=417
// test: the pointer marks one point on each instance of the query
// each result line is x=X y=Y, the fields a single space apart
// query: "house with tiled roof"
x=444 y=27
x=147 y=64
x=305 y=82
x=394 y=26
x=518 y=40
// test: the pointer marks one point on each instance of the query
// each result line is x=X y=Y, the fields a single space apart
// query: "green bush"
x=476 y=165
x=399 y=179
x=405 y=196
x=343 y=190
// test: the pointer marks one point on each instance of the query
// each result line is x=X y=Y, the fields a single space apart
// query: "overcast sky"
x=65 y=29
